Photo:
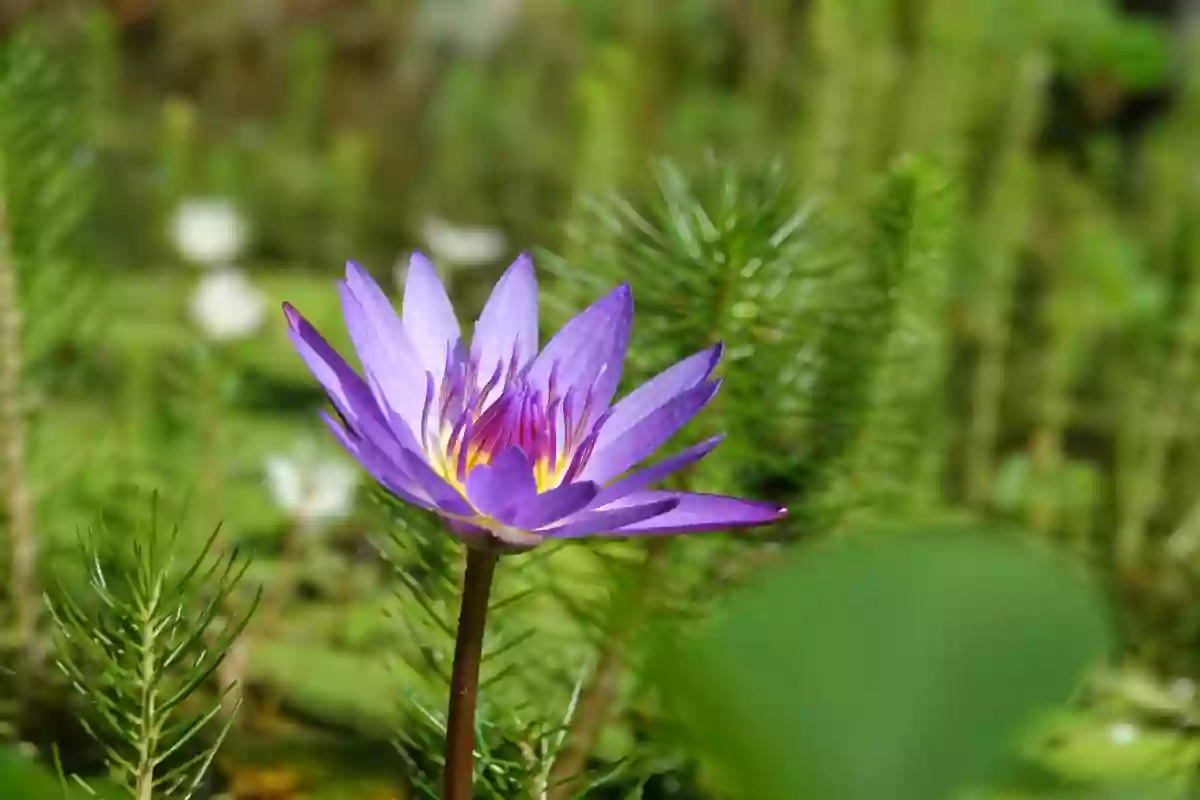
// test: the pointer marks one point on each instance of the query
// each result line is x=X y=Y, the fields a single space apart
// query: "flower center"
x=471 y=420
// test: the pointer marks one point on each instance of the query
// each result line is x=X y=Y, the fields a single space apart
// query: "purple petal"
x=643 y=478
x=613 y=519
x=401 y=468
x=558 y=503
x=347 y=391
x=445 y=496
x=429 y=317
x=509 y=322
x=699 y=512
x=388 y=358
x=379 y=467
x=643 y=438
x=657 y=391
x=499 y=488
x=589 y=350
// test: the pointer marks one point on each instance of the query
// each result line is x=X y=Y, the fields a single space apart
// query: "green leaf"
x=901 y=666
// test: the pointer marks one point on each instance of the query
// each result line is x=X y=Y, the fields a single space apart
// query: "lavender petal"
x=696 y=513
x=346 y=390
x=508 y=325
x=609 y=520
x=393 y=370
x=643 y=478
x=428 y=316
x=445 y=496
x=657 y=391
x=376 y=464
x=646 y=436
x=588 y=352
x=554 y=505
x=499 y=488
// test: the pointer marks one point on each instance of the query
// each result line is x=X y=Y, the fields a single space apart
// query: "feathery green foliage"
x=894 y=461
x=722 y=252
x=140 y=647
x=47 y=157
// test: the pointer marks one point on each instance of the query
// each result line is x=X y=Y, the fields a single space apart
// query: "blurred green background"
x=953 y=247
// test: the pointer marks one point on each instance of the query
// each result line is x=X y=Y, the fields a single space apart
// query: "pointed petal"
x=394 y=372
x=556 y=504
x=643 y=438
x=444 y=496
x=428 y=317
x=643 y=478
x=347 y=391
x=385 y=473
x=657 y=391
x=500 y=488
x=699 y=512
x=607 y=520
x=589 y=351
x=509 y=322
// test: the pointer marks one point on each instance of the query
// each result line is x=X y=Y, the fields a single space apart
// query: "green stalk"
x=1000 y=231
x=1163 y=425
x=1171 y=220
x=23 y=544
x=1053 y=410
x=148 y=730
x=464 y=678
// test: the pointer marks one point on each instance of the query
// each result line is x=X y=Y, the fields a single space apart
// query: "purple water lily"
x=505 y=442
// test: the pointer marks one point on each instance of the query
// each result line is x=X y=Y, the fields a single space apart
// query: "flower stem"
x=464 y=681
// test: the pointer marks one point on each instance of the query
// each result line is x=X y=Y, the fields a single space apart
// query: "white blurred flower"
x=472 y=25
x=1123 y=733
x=312 y=489
x=208 y=231
x=460 y=245
x=227 y=306
x=1183 y=690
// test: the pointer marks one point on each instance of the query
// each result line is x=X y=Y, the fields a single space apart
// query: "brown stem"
x=23 y=585
x=464 y=680
x=597 y=699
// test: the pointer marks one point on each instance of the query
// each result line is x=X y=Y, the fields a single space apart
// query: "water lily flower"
x=511 y=445
x=227 y=306
x=208 y=231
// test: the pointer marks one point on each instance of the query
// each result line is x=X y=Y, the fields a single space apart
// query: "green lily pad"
x=898 y=666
